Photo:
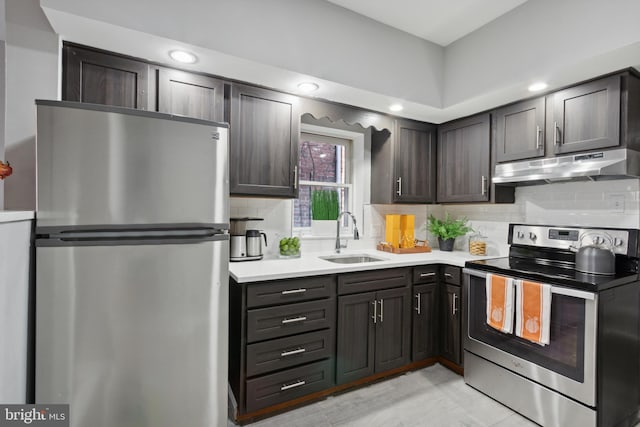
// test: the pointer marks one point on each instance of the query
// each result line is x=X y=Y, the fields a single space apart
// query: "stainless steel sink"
x=351 y=258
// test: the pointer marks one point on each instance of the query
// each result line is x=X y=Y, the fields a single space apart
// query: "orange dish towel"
x=533 y=311
x=500 y=302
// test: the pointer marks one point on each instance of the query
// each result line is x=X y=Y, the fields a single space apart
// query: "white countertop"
x=10 y=216
x=309 y=264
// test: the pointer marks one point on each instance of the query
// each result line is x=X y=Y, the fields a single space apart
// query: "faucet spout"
x=356 y=234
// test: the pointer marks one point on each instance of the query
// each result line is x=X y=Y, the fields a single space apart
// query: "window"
x=324 y=163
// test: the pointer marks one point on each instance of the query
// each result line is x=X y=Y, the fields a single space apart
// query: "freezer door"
x=134 y=335
x=112 y=166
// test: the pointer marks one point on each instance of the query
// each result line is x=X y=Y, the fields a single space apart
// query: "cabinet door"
x=520 y=131
x=263 y=155
x=415 y=162
x=100 y=78
x=464 y=160
x=587 y=117
x=451 y=337
x=393 y=329
x=191 y=95
x=356 y=337
x=425 y=322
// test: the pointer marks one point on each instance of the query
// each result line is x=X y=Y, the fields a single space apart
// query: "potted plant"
x=447 y=230
x=324 y=212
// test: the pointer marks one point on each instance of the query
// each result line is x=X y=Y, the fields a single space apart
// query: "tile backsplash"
x=612 y=203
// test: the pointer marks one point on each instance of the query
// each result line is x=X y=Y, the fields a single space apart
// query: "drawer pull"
x=294 y=320
x=423 y=275
x=448 y=275
x=294 y=385
x=292 y=352
x=294 y=291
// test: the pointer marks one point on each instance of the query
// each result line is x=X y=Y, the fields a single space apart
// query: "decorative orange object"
x=5 y=169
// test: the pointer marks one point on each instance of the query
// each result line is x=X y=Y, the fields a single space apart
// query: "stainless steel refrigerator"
x=131 y=266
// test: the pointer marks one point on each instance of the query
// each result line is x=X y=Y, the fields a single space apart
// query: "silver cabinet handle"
x=381 y=315
x=295 y=176
x=484 y=185
x=399 y=181
x=454 y=308
x=538 y=140
x=375 y=311
x=294 y=320
x=293 y=291
x=294 y=385
x=292 y=352
x=418 y=306
x=556 y=134
x=448 y=275
x=423 y=275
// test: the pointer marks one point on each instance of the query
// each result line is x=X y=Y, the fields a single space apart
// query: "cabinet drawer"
x=291 y=351
x=287 y=291
x=373 y=280
x=276 y=388
x=425 y=274
x=280 y=321
x=451 y=275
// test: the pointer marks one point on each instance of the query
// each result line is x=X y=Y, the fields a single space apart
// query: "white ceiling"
x=439 y=21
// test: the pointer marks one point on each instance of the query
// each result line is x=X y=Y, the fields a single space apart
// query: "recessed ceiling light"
x=183 y=56
x=396 y=107
x=307 y=87
x=536 y=87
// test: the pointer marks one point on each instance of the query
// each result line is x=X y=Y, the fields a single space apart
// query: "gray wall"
x=545 y=37
x=32 y=70
x=312 y=37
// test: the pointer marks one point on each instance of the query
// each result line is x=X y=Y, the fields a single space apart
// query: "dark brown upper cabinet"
x=191 y=95
x=263 y=155
x=464 y=161
x=403 y=163
x=587 y=116
x=100 y=78
x=520 y=132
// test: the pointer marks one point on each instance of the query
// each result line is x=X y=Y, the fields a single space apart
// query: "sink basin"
x=351 y=258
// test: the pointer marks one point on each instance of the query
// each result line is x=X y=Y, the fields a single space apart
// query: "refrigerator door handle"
x=57 y=241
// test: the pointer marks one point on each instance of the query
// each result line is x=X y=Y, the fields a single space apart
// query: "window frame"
x=359 y=169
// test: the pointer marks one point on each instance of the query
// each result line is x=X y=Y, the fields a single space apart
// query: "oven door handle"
x=554 y=289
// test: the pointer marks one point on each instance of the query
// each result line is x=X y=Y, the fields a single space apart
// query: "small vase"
x=446 y=244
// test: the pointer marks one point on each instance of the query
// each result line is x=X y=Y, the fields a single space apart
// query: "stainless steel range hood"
x=610 y=164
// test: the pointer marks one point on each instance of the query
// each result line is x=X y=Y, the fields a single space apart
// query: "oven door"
x=566 y=364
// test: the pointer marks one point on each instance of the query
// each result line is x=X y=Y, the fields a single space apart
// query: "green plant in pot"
x=447 y=230
x=325 y=209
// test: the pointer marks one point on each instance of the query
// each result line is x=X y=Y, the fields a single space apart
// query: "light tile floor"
x=433 y=396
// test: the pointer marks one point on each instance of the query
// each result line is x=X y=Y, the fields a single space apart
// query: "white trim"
x=360 y=168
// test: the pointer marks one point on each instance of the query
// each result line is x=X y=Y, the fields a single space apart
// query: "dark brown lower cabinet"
x=451 y=323
x=425 y=331
x=374 y=332
x=272 y=389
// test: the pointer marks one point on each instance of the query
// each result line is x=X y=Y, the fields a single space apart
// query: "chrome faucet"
x=356 y=235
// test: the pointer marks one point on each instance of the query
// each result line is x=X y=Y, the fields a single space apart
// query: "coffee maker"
x=246 y=244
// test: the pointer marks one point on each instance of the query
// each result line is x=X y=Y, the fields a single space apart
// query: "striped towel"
x=533 y=311
x=500 y=303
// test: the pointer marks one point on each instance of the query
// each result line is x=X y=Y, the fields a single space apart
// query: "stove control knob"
x=520 y=235
x=618 y=242
x=533 y=236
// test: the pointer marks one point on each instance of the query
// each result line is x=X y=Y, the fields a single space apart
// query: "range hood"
x=609 y=164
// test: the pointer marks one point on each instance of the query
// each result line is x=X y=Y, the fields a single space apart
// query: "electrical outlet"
x=616 y=202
